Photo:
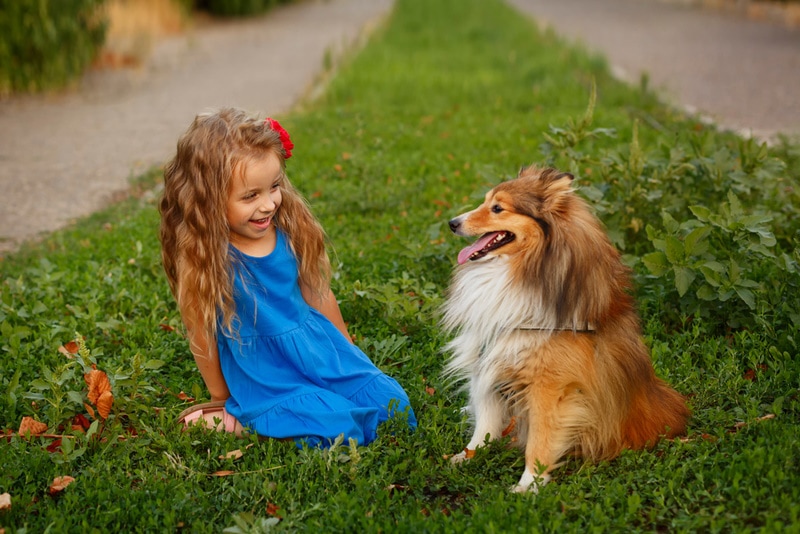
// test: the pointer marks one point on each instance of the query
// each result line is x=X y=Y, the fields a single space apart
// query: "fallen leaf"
x=223 y=473
x=98 y=383
x=741 y=424
x=430 y=391
x=30 y=426
x=81 y=421
x=272 y=509
x=166 y=327
x=752 y=374
x=54 y=446
x=60 y=483
x=510 y=428
x=184 y=397
x=90 y=411
x=235 y=454
x=69 y=349
x=5 y=501
x=104 y=403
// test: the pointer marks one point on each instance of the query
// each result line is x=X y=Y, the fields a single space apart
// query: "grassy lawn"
x=447 y=99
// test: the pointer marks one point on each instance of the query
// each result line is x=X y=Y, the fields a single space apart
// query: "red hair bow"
x=285 y=139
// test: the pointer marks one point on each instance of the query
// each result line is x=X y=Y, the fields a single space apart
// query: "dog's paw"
x=530 y=483
x=462 y=456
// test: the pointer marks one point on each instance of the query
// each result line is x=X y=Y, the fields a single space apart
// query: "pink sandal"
x=194 y=414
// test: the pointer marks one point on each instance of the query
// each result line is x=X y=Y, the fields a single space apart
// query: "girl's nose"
x=268 y=205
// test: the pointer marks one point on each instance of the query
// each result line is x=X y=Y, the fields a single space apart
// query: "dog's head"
x=515 y=215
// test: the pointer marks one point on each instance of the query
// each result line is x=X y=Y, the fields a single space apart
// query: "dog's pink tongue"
x=465 y=253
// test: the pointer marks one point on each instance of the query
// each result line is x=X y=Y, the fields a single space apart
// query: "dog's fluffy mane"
x=570 y=279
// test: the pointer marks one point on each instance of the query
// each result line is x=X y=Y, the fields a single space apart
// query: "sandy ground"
x=63 y=157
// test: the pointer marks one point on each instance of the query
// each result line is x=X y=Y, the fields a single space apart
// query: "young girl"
x=246 y=262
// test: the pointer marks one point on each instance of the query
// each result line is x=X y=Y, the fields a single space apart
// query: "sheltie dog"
x=546 y=335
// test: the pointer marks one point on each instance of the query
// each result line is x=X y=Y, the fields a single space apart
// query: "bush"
x=45 y=44
x=236 y=8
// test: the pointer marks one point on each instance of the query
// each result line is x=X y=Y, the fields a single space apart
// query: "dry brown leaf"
x=5 y=501
x=222 y=473
x=59 y=483
x=90 y=411
x=80 y=422
x=510 y=428
x=104 y=402
x=234 y=454
x=31 y=426
x=69 y=349
x=98 y=384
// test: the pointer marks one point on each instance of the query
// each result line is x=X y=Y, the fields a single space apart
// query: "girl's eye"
x=249 y=196
x=497 y=208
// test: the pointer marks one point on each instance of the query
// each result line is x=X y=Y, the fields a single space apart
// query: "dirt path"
x=63 y=157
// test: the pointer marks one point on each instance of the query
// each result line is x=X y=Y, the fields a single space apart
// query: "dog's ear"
x=556 y=191
x=551 y=176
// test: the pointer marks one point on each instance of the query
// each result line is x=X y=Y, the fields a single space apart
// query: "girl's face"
x=253 y=201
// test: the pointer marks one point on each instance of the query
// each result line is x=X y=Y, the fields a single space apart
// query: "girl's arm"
x=326 y=304
x=204 y=348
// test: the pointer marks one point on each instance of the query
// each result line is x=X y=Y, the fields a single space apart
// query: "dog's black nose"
x=454 y=224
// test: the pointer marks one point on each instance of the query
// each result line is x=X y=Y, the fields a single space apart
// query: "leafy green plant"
x=45 y=44
x=724 y=254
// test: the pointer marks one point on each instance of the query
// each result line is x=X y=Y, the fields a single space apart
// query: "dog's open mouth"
x=484 y=245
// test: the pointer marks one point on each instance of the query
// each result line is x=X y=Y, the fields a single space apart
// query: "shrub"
x=45 y=44
x=236 y=8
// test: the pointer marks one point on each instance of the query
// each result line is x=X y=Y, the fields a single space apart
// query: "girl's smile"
x=253 y=201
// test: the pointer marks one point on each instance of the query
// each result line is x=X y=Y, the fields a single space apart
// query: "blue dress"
x=291 y=373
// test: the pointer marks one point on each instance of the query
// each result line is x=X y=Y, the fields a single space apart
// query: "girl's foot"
x=211 y=415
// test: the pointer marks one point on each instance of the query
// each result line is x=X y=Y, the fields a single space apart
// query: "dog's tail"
x=656 y=410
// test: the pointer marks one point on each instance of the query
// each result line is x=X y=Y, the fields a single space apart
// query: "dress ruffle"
x=319 y=417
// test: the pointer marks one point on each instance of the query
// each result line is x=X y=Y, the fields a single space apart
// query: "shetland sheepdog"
x=546 y=335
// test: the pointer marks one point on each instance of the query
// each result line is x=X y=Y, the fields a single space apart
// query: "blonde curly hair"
x=195 y=236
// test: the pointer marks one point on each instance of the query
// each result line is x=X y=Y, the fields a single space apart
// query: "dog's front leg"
x=487 y=409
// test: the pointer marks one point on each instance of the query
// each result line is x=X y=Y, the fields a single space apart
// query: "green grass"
x=449 y=98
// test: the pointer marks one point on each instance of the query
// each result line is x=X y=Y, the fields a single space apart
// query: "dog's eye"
x=497 y=208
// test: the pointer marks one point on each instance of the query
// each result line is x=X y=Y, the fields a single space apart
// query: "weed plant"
x=446 y=100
